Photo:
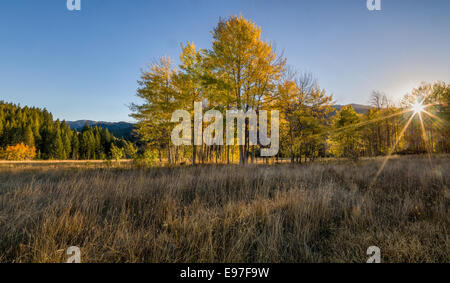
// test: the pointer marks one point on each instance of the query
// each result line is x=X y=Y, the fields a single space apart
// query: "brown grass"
x=280 y=213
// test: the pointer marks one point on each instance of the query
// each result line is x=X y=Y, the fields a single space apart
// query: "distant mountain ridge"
x=118 y=129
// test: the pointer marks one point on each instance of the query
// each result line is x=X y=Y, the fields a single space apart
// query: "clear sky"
x=85 y=64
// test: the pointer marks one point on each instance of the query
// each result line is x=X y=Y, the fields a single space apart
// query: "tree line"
x=240 y=71
x=388 y=128
x=51 y=139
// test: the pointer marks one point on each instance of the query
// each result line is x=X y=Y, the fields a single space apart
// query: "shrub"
x=117 y=153
x=130 y=150
x=18 y=152
x=147 y=158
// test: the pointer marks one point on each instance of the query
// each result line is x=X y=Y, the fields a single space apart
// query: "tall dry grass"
x=284 y=213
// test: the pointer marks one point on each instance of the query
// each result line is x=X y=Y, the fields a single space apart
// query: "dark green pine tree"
x=28 y=136
x=85 y=127
x=45 y=141
x=57 y=146
x=91 y=145
x=66 y=139
x=75 y=146
x=84 y=145
x=99 y=150
x=66 y=135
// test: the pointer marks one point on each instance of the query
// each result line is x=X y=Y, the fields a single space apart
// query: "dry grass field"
x=217 y=213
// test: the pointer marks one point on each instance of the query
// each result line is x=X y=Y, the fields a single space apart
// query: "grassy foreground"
x=261 y=213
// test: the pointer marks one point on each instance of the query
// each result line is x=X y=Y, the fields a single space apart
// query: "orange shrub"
x=20 y=151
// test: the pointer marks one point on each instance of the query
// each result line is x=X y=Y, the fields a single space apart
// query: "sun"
x=418 y=107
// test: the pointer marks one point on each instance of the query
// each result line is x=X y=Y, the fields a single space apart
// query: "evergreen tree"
x=75 y=146
x=84 y=145
x=66 y=139
x=28 y=136
x=57 y=146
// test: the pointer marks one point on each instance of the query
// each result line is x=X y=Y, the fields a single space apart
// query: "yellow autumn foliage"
x=18 y=152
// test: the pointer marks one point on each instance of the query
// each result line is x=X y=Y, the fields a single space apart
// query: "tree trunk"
x=253 y=154
x=241 y=155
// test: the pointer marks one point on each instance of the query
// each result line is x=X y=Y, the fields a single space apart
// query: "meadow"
x=319 y=212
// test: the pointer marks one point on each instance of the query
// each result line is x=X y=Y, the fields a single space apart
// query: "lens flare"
x=418 y=107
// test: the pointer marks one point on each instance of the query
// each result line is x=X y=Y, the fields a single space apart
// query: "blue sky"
x=85 y=64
